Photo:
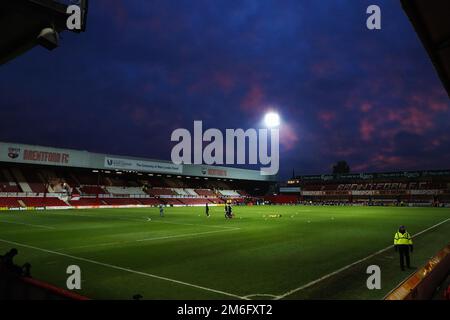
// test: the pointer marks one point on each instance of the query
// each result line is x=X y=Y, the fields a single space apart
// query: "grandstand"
x=118 y=193
x=41 y=177
x=419 y=188
x=96 y=180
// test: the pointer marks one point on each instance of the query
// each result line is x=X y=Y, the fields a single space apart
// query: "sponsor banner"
x=392 y=192
x=352 y=176
x=313 y=193
x=142 y=165
x=426 y=192
x=437 y=173
x=381 y=175
x=362 y=192
x=372 y=192
x=58 y=208
x=214 y=172
x=224 y=173
x=290 y=189
x=390 y=175
x=336 y=193
x=315 y=177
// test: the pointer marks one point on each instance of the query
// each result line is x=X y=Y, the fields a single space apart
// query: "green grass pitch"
x=185 y=255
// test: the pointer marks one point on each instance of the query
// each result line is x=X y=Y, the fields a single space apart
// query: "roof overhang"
x=22 y=21
x=431 y=21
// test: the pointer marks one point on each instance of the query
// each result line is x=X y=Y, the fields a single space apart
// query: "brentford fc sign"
x=15 y=153
x=46 y=157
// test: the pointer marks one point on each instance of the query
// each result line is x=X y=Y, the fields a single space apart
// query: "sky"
x=144 y=68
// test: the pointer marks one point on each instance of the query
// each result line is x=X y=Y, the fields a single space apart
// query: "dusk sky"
x=145 y=68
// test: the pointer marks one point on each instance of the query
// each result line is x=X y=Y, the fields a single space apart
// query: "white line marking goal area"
x=183 y=235
x=27 y=224
x=141 y=220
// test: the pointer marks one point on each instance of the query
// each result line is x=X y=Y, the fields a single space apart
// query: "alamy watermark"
x=249 y=147
x=75 y=16
x=373 y=22
x=74 y=280
x=374 y=280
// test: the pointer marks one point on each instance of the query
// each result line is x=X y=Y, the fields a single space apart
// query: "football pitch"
x=307 y=253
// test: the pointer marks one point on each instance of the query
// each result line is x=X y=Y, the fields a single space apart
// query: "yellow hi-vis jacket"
x=404 y=238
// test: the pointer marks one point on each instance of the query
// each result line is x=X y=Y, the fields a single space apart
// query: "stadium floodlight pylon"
x=27 y=23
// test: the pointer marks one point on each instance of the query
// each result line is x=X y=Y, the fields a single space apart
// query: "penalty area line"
x=329 y=275
x=140 y=220
x=187 y=235
x=125 y=269
x=183 y=235
x=27 y=224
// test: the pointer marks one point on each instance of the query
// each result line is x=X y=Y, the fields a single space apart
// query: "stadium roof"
x=431 y=21
x=22 y=21
x=48 y=156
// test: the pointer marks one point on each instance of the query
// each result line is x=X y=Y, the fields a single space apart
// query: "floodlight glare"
x=272 y=119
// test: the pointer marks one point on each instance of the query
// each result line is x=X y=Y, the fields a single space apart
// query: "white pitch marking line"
x=309 y=284
x=27 y=224
x=148 y=239
x=144 y=219
x=126 y=269
x=192 y=224
x=95 y=216
x=92 y=246
x=261 y=295
x=186 y=235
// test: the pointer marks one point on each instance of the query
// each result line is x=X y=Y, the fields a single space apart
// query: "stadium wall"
x=423 y=283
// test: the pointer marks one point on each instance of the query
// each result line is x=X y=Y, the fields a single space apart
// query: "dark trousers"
x=403 y=250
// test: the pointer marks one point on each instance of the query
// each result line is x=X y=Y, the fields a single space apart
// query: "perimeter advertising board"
x=142 y=165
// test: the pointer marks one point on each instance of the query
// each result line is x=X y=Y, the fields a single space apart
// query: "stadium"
x=100 y=212
x=91 y=209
